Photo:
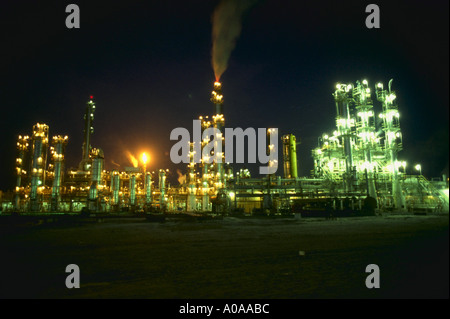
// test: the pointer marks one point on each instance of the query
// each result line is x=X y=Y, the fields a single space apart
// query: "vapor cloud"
x=227 y=25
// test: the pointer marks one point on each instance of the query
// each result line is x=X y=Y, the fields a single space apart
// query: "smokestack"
x=217 y=98
x=219 y=123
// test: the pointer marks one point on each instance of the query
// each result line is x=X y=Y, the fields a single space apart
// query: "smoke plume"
x=114 y=163
x=227 y=25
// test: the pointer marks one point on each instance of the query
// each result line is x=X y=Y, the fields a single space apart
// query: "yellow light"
x=144 y=158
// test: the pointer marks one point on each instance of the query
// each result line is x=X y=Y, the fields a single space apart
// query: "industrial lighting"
x=418 y=167
x=403 y=164
x=144 y=158
x=365 y=82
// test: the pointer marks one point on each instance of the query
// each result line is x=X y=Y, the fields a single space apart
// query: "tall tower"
x=59 y=142
x=162 y=189
x=22 y=148
x=345 y=123
x=86 y=162
x=97 y=158
x=206 y=123
x=38 y=165
x=219 y=123
x=392 y=139
x=365 y=128
x=290 y=156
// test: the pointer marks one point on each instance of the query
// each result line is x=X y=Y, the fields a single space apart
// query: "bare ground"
x=230 y=258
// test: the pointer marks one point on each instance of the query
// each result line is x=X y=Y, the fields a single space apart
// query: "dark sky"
x=148 y=65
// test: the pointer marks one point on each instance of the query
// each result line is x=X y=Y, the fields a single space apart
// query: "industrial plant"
x=357 y=171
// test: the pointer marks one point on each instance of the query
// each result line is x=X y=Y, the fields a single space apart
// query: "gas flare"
x=132 y=159
x=181 y=177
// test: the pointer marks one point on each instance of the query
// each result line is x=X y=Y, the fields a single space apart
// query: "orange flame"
x=133 y=159
x=181 y=177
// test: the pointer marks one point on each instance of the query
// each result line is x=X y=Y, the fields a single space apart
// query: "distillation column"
x=133 y=190
x=22 y=147
x=344 y=125
x=115 y=187
x=96 y=178
x=219 y=122
x=205 y=168
x=162 y=189
x=366 y=131
x=290 y=156
x=85 y=163
x=191 y=202
x=59 y=142
x=148 y=190
x=38 y=164
x=392 y=140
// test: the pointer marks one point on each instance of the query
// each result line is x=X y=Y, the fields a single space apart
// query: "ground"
x=230 y=258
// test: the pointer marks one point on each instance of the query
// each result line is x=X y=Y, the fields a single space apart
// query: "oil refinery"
x=357 y=171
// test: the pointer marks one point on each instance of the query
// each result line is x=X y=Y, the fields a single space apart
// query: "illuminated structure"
x=22 y=148
x=358 y=161
x=392 y=140
x=219 y=123
x=357 y=158
x=38 y=165
x=85 y=163
x=290 y=156
x=57 y=150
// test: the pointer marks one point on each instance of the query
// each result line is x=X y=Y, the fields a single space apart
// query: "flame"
x=133 y=159
x=181 y=177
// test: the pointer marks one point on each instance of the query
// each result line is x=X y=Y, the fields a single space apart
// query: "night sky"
x=148 y=65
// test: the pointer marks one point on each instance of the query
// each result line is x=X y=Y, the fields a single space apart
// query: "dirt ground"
x=230 y=258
